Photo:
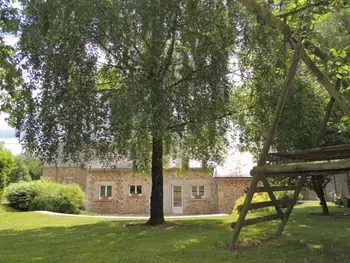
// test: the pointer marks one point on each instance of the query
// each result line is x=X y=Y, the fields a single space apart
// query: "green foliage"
x=258 y=197
x=137 y=70
x=45 y=195
x=7 y=165
x=10 y=76
x=263 y=197
x=21 y=171
x=34 y=166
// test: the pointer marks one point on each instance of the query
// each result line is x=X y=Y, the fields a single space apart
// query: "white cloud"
x=7 y=136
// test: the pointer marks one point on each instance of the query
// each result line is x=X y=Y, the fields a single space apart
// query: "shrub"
x=263 y=197
x=45 y=195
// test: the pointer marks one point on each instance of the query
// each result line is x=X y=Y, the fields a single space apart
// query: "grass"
x=32 y=237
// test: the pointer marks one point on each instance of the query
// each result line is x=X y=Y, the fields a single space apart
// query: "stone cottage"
x=122 y=191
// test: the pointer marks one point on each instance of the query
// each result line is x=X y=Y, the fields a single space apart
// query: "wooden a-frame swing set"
x=300 y=163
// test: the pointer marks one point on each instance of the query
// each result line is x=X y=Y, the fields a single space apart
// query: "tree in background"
x=10 y=76
x=7 y=166
x=263 y=66
x=34 y=166
x=20 y=172
x=127 y=79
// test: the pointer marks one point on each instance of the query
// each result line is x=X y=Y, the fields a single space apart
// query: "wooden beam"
x=326 y=116
x=244 y=211
x=290 y=206
x=324 y=80
x=275 y=189
x=280 y=105
x=303 y=167
x=257 y=220
x=277 y=115
x=334 y=149
x=274 y=22
x=262 y=160
x=306 y=173
x=308 y=158
x=265 y=204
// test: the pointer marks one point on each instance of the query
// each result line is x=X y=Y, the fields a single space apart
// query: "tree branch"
x=274 y=22
x=182 y=124
x=302 y=8
x=168 y=58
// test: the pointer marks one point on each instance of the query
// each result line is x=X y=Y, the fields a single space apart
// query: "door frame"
x=177 y=210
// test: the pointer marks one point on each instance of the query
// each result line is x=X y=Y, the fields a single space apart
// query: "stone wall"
x=123 y=203
x=71 y=174
x=208 y=205
x=229 y=190
x=220 y=195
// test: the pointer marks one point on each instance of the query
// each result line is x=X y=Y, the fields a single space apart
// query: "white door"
x=177 y=202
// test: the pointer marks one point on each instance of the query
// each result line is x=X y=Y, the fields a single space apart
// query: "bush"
x=45 y=195
x=263 y=197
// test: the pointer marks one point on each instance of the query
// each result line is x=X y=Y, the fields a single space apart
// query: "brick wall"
x=229 y=190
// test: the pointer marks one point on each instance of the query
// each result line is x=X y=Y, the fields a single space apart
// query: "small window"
x=105 y=192
x=135 y=189
x=198 y=192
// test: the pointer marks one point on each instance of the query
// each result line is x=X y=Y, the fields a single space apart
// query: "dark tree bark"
x=318 y=188
x=157 y=214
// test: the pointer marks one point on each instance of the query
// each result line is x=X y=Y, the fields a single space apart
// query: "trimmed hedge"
x=45 y=195
x=262 y=197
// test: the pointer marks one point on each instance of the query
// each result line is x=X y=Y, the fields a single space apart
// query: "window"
x=105 y=192
x=135 y=189
x=198 y=191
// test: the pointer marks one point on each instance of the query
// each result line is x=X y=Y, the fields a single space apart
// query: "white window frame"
x=197 y=186
x=105 y=193
x=136 y=185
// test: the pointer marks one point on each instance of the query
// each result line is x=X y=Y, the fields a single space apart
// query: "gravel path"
x=140 y=217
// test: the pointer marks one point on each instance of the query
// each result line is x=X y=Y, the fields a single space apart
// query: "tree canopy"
x=146 y=80
x=127 y=79
x=9 y=73
x=7 y=165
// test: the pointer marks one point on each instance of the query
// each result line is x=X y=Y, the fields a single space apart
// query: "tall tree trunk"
x=157 y=214
x=317 y=186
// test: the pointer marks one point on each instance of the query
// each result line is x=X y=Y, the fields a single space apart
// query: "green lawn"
x=31 y=237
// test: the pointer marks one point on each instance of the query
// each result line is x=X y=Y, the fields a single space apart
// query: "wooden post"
x=326 y=117
x=274 y=22
x=262 y=160
x=291 y=205
x=244 y=211
x=324 y=80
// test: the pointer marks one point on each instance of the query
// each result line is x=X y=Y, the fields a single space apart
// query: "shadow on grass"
x=306 y=239
x=5 y=208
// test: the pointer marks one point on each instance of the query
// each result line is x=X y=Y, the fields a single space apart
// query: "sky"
x=7 y=136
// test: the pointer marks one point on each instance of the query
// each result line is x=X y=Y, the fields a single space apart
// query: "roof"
x=126 y=164
x=237 y=166
x=237 y=173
